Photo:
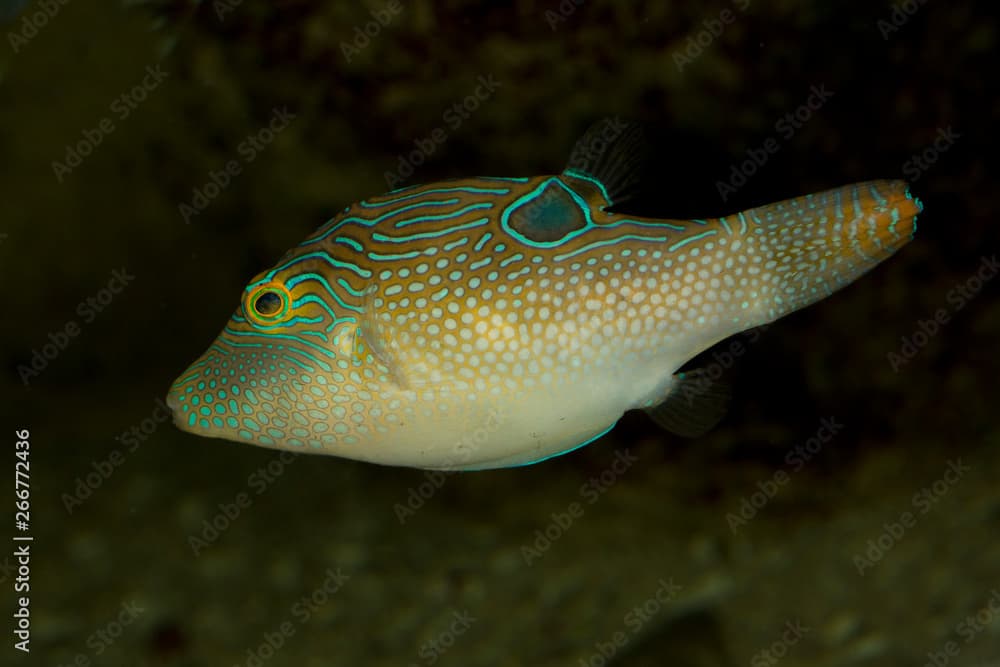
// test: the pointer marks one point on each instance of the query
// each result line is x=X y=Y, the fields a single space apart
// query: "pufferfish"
x=492 y=322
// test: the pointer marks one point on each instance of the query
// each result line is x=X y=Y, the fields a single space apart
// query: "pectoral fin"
x=375 y=335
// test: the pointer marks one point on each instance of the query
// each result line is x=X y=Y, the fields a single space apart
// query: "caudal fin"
x=816 y=244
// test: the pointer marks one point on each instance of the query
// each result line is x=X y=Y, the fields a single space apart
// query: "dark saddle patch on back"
x=548 y=216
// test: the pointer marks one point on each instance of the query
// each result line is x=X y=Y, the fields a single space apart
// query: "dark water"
x=125 y=241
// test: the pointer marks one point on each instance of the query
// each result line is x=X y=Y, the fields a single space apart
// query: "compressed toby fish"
x=491 y=322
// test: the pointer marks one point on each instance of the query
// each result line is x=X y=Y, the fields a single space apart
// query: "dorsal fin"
x=613 y=152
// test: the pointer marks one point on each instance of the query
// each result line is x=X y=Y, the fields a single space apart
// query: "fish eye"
x=267 y=304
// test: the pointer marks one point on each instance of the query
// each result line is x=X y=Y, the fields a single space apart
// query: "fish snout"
x=174 y=404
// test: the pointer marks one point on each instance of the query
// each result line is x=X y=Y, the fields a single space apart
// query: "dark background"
x=125 y=539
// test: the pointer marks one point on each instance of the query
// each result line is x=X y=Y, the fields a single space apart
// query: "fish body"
x=491 y=322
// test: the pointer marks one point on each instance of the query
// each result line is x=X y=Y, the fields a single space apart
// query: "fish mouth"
x=175 y=409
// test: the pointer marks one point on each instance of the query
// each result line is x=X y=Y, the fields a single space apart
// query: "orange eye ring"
x=268 y=303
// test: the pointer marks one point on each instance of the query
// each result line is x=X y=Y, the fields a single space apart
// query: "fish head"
x=289 y=370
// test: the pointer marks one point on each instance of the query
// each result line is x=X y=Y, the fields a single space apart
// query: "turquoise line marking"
x=699 y=221
x=480 y=264
x=691 y=239
x=292 y=282
x=640 y=223
x=593 y=181
x=293 y=321
x=430 y=235
x=722 y=221
x=292 y=348
x=454 y=244
x=508 y=179
x=444 y=216
x=364 y=273
x=351 y=242
x=743 y=222
x=514 y=275
x=876 y=196
x=325 y=306
x=857 y=202
x=370 y=222
x=191 y=377
x=470 y=189
x=430 y=202
x=251 y=286
x=510 y=260
x=565 y=451
x=366 y=222
x=873 y=223
x=895 y=219
x=350 y=290
x=481 y=242
x=403 y=255
x=599 y=244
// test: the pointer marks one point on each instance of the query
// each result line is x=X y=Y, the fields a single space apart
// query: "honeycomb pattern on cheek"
x=259 y=397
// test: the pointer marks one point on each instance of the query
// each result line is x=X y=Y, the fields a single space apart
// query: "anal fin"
x=695 y=404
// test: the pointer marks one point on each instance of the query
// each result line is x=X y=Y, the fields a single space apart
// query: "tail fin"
x=816 y=244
